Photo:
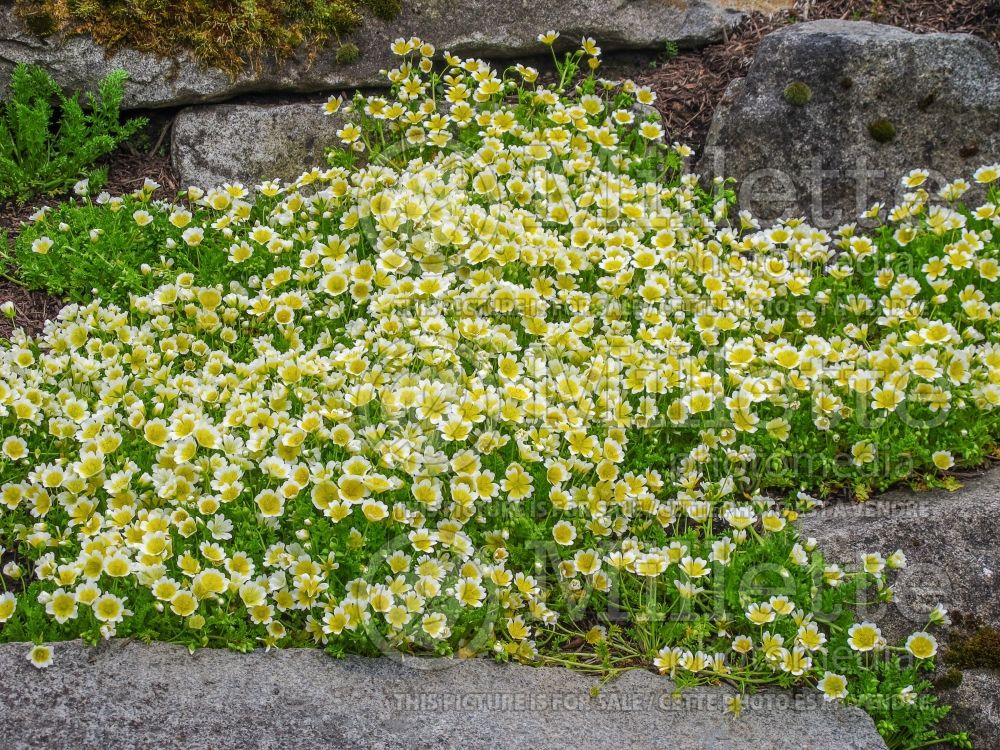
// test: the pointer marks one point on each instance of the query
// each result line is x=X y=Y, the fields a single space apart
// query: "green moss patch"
x=882 y=130
x=798 y=93
x=348 y=54
x=227 y=35
x=980 y=650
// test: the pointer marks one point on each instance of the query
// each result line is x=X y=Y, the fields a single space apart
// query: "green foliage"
x=904 y=711
x=101 y=250
x=48 y=140
x=243 y=310
x=109 y=259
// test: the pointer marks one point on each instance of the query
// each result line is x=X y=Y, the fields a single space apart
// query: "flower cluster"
x=516 y=366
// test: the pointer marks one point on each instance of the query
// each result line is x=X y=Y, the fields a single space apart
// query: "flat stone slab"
x=952 y=544
x=129 y=695
x=950 y=540
x=473 y=27
x=248 y=143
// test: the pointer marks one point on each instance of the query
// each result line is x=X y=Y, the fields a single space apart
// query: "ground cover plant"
x=503 y=378
x=226 y=35
x=49 y=140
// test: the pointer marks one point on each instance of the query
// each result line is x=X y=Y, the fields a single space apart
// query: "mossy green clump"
x=882 y=130
x=385 y=9
x=40 y=24
x=347 y=54
x=980 y=650
x=968 y=150
x=229 y=35
x=952 y=678
x=798 y=93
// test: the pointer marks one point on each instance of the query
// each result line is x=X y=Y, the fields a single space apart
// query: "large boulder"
x=247 y=143
x=832 y=113
x=478 y=27
x=127 y=695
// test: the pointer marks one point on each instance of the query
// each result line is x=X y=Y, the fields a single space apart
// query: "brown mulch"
x=980 y=17
x=128 y=171
x=690 y=85
x=32 y=308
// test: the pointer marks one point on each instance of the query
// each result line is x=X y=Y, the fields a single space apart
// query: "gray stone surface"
x=217 y=143
x=127 y=695
x=952 y=544
x=478 y=27
x=940 y=91
x=975 y=707
x=247 y=143
x=950 y=540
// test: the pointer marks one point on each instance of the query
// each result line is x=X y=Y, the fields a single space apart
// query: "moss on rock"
x=40 y=24
x=229 y=36
x=798 y=93
x=952 y=678
x=979 y=650
x=882 y=130
x=385 y=9
x=347 y=54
